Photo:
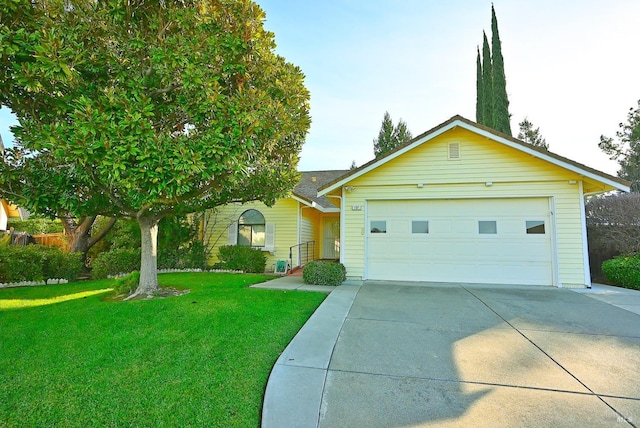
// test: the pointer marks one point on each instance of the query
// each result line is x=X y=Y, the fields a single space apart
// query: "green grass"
x=201 y=359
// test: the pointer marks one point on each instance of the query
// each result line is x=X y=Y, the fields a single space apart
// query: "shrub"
x=247 y=259
x=125 y=233
x=623 y=271
x=59 y=264
x=324 y=273
x=36 y=226
x=37 y=263
x=192 y=255
x=127 y=284
x=195 y=256
x=168 y=259
x=120 y=260
x=18 y=263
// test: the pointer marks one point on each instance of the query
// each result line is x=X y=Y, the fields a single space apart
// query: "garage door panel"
x=453 y=250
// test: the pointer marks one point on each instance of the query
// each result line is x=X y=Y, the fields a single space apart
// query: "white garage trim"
x=585 y=241
x=465 y=240
x=553 y=226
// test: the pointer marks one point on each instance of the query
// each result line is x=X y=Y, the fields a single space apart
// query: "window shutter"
x=270 y=237
x=232 y=234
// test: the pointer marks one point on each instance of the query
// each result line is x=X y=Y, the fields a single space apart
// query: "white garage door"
x=494 y=241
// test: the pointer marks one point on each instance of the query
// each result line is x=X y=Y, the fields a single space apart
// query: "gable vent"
x=454 y=150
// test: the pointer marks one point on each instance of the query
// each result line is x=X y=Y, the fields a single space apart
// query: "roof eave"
x=459 y=121
x=312 y=204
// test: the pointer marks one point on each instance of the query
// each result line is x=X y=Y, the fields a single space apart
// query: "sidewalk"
x=623 y=298
x=293 y=282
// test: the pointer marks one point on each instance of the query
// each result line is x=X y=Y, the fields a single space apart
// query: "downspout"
x=585 y=242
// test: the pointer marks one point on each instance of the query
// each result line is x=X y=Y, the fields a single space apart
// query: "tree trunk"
x=79 y=237
x=78 y=233
x=149 y=259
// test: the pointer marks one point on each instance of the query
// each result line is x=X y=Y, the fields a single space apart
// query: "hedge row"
x=37 y=263
x=623 y=271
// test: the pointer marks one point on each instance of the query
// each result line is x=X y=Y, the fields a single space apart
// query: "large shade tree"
x=33 y=183
x=147 y=109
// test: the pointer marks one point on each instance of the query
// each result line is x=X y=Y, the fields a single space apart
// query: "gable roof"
x=461 y=122
x=307 y=189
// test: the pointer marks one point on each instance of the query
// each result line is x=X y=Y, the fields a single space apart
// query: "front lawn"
x=70 y=358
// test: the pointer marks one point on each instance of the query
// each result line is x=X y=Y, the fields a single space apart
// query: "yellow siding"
x=310 y=228
x=284 y=214
x=513 y=174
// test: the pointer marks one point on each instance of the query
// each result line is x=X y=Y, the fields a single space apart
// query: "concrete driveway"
x=417 y=355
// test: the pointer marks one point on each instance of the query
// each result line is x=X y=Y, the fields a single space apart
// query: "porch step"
x=296 y=271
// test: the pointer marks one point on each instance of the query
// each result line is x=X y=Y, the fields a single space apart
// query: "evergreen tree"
x=384 y=142
x=500 y=101
x=487 y=84
x=389 y=136
x=492 y=102
x=479 y=99
x=530 y=135
x=627 y=149
x=401 y=133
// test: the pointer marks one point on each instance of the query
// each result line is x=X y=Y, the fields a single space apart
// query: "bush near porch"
x=623 y=271
x=324 y=273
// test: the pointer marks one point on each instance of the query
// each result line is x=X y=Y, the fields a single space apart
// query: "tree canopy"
x=390 y=136
x=145 y=109
x=531 y=135
x=626 y=150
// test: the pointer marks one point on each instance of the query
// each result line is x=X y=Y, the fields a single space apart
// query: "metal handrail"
x=306 y=253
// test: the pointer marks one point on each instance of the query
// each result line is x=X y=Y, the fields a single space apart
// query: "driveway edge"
x=294 y=390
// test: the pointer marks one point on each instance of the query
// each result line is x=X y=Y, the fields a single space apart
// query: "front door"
x=331 y=238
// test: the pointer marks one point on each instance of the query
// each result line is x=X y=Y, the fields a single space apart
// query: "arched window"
x=251 y=229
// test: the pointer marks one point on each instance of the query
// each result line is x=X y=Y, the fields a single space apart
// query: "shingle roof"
x=310 y=182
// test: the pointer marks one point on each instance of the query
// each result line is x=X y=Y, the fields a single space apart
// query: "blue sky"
x=572 y=68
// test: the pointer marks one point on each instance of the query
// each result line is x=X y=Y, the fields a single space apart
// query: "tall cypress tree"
x=479 y=98
x=487 y=84
x=500 y=101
